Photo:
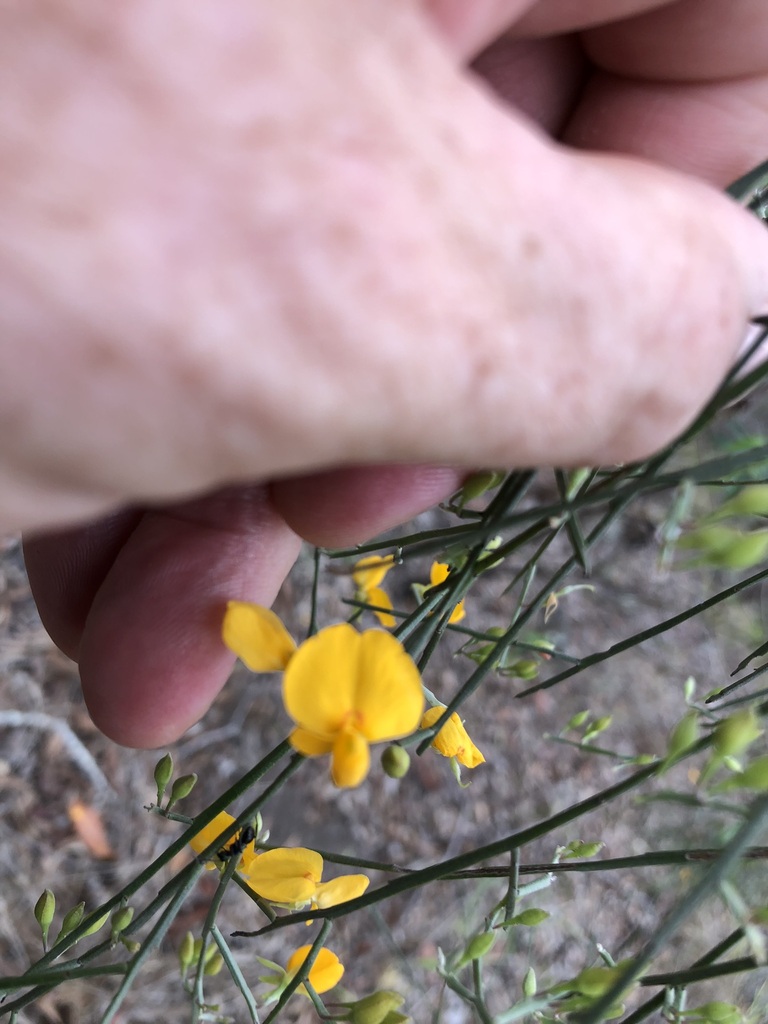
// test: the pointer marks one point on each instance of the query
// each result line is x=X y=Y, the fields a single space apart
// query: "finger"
x=151 y=656
x=347 y=506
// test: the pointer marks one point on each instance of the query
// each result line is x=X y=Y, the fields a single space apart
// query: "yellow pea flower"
x=210 y=833
x=438 y=573
x=325 y=972
x=345 y=690
x=368 y=574
x=453 y=739
x=292 y=876
x=257 y=636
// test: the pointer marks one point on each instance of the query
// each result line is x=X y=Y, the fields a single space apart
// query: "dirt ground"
x=52 y=758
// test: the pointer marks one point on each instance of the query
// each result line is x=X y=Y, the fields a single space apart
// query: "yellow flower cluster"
x=368 y=575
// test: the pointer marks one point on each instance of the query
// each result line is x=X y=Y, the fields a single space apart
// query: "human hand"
x=245 y=246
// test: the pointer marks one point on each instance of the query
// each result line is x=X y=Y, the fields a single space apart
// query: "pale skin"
x=270 y=253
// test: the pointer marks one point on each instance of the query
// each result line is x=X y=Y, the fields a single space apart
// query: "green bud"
x=393 y=1017
x=719 y=1013
x=598 y=726
x=187 y=952
x=395 y=760
x=163 y=773
x=44 y=910
x=131 y=944
x=528 y=918
x=98 y=923
x=477 y=484
x=525 y=668
x=736 y=733
x=754 y=776
x=751 y=500
x=683 y=736
x=181 y=788
x=578 y=720
x=120 y=920
x=529 y=983
x=479 y=946
x=375 y=1008
x=577 y=848
x=71 y=920
x=213 y=964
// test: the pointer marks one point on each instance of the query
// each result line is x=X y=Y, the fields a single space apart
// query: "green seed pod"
x=375 y=1008
x=187 y=952
x=181 y=788
x=395 y=760
x=529 y=983
x=120 y=920
x=736 y=733
x=71 y=920
x=163 y=773
x=479 y=946
x=44 y=910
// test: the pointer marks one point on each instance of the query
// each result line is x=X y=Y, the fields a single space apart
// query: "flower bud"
x=529 y=983
x=181 y=788
x=163 y=773
x=45 y=908
x=526 y=668
x=71 y=920
x=478 y=946
x=683 y=736
x=736 y=733
x=395 y=760
x=375 y=1008
x=98 y=923
x=120 y=920
x=187 y=952
x=213 y=964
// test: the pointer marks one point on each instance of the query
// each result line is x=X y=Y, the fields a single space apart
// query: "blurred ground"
x=51 y=758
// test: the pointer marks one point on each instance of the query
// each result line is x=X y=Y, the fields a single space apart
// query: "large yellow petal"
x=257 y=637
x=325 y=972
x=351 y=759
x=339 y=890
x=210 y=833
x=319 y=683
x=438 y=573
x=308 y=744
x=389 y=699
x=286 y=875
x=370 y=572
x=380 y=599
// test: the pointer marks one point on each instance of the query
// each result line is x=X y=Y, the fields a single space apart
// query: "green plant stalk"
x=302 y=974
x=235 y=973
x=210 y=920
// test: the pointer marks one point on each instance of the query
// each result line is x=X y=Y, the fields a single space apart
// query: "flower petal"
x=324 y=973
x=319 y=683
x=453 y=740
x=339 y=890
x=309 y=744
x=210 y=832
x=257 y=637
x=457 y=614
x=351 y=759
x=370 y=572
x=381 y=599
x=286 y=875
x=389 y=698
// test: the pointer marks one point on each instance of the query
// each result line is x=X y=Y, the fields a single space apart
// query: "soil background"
x=53 y=762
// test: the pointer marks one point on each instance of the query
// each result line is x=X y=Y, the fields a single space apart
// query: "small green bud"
x=578 y=848
x=181 y=788
x=683 y=736
x=213 y=964
x=751 y=500
x=736 y=733
x=375 y=1008
x=71 y=920
x=395 y=760
x=529 y=983
x=120 y=920
x=598 y=726
x=525 y=668
x=719 y=1013
x=528 y=918
x=754 y=776
x=477 y=484
x=479 y=946
x=45 y=908
x=131 y=944
x=578 y=720
x=163 y=773
x=98 y=923
x=187 y=952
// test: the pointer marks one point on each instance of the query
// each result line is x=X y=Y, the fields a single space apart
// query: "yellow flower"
x=210 y=833
x=344 y=690
x=453 y=739
x=292 y=876
x=368 y=575
x=438 y=573
x=324 y=973
x=257 y=637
